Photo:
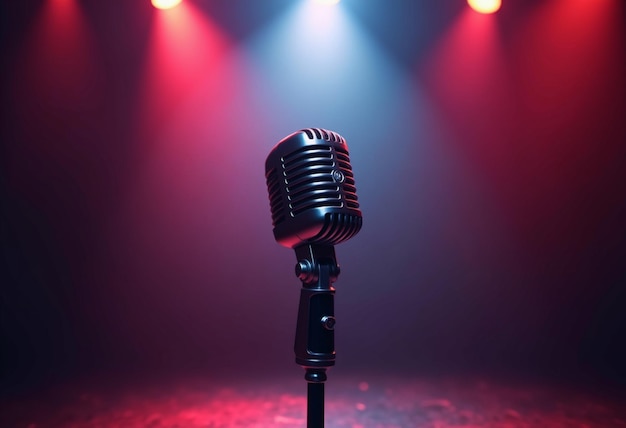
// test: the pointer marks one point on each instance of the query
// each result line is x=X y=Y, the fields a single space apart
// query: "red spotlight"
x=485 y=6
x=165 y=4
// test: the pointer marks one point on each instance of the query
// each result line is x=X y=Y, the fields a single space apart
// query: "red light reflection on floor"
x=381 y=402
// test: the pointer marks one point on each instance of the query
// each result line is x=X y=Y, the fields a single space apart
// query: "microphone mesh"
x=311 y=186
x=338 y=227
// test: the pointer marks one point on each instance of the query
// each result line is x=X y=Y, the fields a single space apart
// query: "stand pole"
x=315 y=397
x=315 y=405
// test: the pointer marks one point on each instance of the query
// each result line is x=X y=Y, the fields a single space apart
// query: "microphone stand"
x=315 y=337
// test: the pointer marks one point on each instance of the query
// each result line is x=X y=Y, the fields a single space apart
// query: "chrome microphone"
x=311 y=189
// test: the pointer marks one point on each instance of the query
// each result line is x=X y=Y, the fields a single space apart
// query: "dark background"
x=489 y=154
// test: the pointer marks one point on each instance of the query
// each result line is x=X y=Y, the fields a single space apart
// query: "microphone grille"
x=311 y=189
x=275 y=194
x=323 y=134
x=338 y=227
x=314 y=176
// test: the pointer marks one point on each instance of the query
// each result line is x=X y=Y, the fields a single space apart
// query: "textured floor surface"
x=381 y=402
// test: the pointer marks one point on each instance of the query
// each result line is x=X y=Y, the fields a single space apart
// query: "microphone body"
x=311 y=189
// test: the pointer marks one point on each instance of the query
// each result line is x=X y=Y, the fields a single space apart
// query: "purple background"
x=489 y=154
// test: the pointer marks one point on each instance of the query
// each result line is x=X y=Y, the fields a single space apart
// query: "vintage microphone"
x=314 y=206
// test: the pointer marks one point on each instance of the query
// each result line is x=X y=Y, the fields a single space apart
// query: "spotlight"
x=326 y=1
x=165 y=4
x=485 y=6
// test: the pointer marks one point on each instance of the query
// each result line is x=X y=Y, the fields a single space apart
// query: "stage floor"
x=351 y=402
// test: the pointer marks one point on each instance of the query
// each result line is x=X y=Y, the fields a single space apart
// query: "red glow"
x=59 y=62
x=185 y=50
x=528 y=114
x=389 y=403
x=568 y=55
x=56 y=90
x=485 y=6
x=195 y=118
x=570 y=68
x=468 y=77
x=165 y=4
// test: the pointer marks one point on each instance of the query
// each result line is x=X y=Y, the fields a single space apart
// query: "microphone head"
x=311 y=189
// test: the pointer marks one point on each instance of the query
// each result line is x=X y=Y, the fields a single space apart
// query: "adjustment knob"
x=329 y=322
x=305 y=271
